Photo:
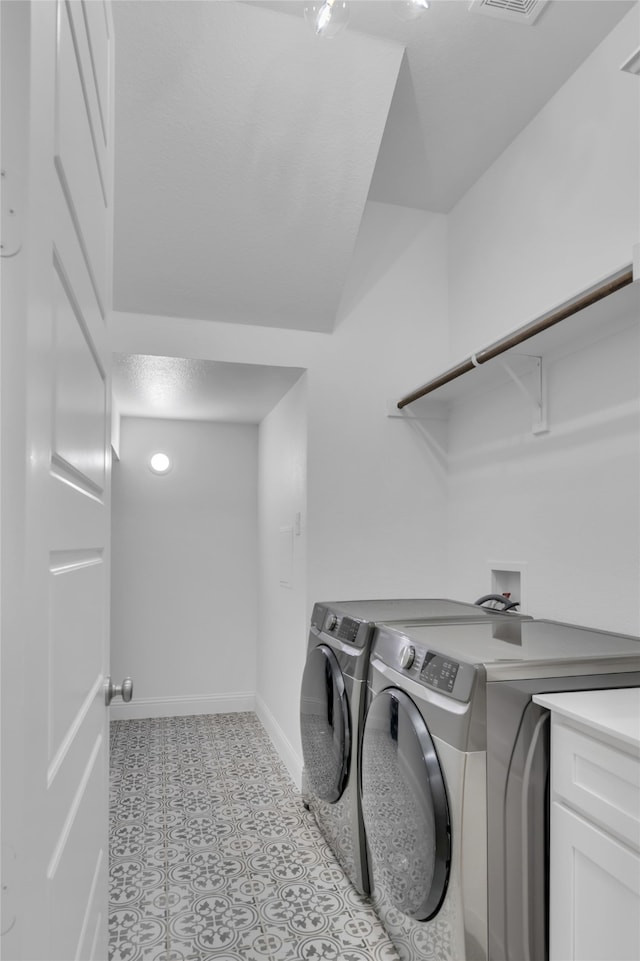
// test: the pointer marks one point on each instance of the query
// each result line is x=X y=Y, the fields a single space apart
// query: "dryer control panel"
x=350 y=630
x=345 y=628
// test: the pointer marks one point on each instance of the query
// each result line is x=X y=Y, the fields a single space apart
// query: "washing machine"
x=454 y=778
x=332 y=710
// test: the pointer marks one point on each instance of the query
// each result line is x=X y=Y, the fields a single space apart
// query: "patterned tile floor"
x=213 y=855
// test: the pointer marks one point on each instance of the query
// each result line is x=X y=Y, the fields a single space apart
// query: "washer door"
x=405 y=808
x=324 y=724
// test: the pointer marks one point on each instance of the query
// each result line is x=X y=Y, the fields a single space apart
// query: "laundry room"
x=371 y=504
x=375 y=298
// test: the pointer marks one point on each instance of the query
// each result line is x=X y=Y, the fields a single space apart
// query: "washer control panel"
x=439 y=672
x=443 y=674
x=431 y=669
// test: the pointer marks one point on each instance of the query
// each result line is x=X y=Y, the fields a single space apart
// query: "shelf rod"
x=519 y=336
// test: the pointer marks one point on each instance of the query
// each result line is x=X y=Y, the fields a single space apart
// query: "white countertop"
x=614 y=713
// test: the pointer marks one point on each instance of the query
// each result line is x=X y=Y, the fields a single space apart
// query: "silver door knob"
x=124 y=690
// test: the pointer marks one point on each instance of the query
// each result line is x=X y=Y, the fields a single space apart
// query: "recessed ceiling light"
x=160 y=463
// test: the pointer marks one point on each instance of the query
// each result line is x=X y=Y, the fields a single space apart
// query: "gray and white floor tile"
x=213 y=856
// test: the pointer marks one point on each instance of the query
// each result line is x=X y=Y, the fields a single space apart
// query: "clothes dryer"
x=332 y=710
x=442 y=700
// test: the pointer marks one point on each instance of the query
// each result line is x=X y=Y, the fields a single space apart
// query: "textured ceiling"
x=174 y=387
x=246 y=148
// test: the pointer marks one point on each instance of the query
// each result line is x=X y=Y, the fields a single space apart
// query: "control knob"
x=332 y=620
x=407 y=657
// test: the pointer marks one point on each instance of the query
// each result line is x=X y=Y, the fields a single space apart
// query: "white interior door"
x=58 y=795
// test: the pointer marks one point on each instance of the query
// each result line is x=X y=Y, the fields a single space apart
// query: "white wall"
x=184 y=567
x=558 y=210
x=555 y=213
x=283 y=617
x=377 y=496
x=566 y=503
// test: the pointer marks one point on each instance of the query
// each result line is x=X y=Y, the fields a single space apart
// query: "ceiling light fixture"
x=327 y=19
x=160 y=463
x=410 y=9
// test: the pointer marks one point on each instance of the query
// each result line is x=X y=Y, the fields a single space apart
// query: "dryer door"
x=405 y=808
x=324 y=724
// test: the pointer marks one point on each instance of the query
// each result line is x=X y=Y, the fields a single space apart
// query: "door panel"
x=91 y=52
x=77 y=492
x=64 y=630
x=80 y=401
x=96 y=18
x=75 y=157
x=77 y=585
x=77 y=868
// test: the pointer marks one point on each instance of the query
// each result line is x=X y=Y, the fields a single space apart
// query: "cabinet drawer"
x=597 y=779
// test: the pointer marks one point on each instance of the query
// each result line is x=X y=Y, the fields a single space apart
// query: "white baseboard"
x=290 y=759
x=181 y=706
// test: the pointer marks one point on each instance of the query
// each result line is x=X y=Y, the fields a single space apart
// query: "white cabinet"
x=594 y=890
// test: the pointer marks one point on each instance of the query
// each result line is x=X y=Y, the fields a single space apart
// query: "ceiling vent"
x=516 y=11
x=632 y=65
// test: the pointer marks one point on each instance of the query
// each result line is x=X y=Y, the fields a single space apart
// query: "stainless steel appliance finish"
x=424 y=737
x=471 y=684
x=518 y=782
x=332 y=710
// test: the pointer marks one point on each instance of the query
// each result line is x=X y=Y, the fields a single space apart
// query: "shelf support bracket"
x=535 y=394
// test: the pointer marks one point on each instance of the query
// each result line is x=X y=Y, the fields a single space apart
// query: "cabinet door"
x=594 y=893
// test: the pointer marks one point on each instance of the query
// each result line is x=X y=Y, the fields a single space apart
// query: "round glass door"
x=324 y=724
x=405 y=808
